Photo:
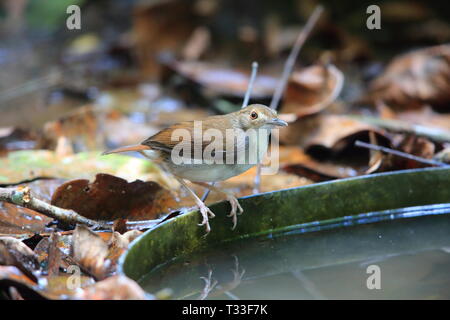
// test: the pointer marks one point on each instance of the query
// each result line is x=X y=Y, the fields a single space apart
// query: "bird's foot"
x=206 y=214
x=235 y=209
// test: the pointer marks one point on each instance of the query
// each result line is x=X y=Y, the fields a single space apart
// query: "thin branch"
x=400 y=154
x=250 y=84
x=289 y=65
x=248 y=93
x=23 y=197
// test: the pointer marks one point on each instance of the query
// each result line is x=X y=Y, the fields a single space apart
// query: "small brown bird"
x=212 y=149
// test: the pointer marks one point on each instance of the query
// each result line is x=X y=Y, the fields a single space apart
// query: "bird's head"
x=258 y=116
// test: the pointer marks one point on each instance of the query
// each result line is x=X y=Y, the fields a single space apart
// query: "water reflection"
x=224 y=288
x=412 y=255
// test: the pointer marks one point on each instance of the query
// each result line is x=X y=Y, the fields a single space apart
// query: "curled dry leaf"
x=12 y=277
x=98 y=253
x=410 y=144
x=55 y=287
x=312 y=89
x=116 y=246
x=329 y=136
x=114 y=288
x=54 y=255
x=415 y=79
x=224 y=81
x=110 y=197
x=90 y=251
x=417 y=146
x=59 y=258
x=332 y=132
x=14 y=252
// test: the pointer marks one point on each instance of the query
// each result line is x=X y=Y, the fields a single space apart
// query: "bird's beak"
x=278 y=122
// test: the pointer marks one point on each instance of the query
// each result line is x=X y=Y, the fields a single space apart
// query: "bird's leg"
x=235 y=206
x=204 y=210
x=209 y=285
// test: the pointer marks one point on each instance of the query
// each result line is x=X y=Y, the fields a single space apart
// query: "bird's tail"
x=137 y=148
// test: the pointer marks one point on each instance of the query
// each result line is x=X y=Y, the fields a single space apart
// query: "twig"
x=23 y=197
x=289 y=65
x=400 y=154
x=250 y=84
x=244 y=104
x=434 y=134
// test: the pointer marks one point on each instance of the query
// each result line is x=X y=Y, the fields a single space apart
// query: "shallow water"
x=413 y=256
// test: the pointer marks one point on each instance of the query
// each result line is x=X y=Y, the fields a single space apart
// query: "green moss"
x=279 y=211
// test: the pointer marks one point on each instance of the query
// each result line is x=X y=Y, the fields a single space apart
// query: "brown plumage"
x=181 y=139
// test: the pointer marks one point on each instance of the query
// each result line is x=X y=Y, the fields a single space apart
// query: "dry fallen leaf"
x=16 y=220
x=114 y=288
x=223 y=81
x=14 y=252
x=333 y=132
x=110 y=197
x=415 y=79
x=89 y=251
x=117 y=245
x=312 y=89
x=12 y=277
x=54 y=255
x=417 y=146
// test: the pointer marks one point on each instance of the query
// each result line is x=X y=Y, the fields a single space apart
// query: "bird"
x=215 y=148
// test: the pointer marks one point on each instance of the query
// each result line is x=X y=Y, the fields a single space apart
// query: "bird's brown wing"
x=182 y=134
x=166 y=139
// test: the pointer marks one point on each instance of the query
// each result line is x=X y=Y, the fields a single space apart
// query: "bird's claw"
x=205 y=211
x=236 y=209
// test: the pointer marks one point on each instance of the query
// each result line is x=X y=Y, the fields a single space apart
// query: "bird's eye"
x=253 y=115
